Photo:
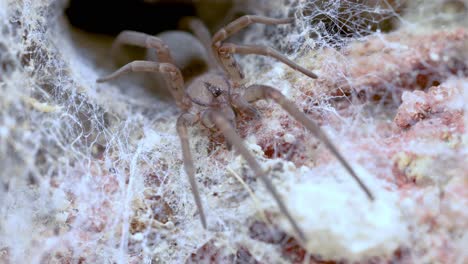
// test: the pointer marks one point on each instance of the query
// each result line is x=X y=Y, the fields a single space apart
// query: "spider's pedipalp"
x=239 y=103
x=182 y=122
x=258 y=92
x=264 y=51
x=235 y=140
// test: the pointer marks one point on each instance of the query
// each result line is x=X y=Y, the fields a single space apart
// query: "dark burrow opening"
x=111 y=17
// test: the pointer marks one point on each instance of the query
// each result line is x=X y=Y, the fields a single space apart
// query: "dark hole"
x=111 y=17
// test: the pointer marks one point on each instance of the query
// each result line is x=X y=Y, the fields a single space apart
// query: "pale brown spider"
x=215 y=97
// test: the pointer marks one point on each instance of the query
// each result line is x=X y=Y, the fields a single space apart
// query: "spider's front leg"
x=143 y=40
x=171 y=73
x=258 y=92
x=217 y=119
x=224 y=51
x=175 y=81
x=183 y=121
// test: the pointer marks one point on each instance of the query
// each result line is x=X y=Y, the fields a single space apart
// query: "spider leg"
x=258 y=92
x=182 y=122
x=229 y=48
x=172 y=75
x=218 y=120
x=223 y=56
x=200 y=31
x=143 y=40
x=242 y=22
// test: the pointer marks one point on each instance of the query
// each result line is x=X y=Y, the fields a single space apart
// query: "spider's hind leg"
x=258 y=92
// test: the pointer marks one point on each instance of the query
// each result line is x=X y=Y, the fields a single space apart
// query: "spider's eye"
x=216 y=91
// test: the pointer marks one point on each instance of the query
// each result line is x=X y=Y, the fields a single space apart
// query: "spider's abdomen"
x=186 y=50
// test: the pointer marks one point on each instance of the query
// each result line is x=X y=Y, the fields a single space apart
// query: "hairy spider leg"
x=184 y=120
x=231 y=135
x=143 y=40
x=254 y=93
x=200 y=31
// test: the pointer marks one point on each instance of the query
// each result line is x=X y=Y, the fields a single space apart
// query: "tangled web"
x=93 y=173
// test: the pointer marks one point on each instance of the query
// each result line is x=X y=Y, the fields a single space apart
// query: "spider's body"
x=214 y=97
x=209 y=89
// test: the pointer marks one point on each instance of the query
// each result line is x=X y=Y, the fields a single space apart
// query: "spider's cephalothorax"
x=214 y=97
x=209 y=90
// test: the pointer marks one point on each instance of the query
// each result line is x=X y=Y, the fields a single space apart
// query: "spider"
x=216 y=96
